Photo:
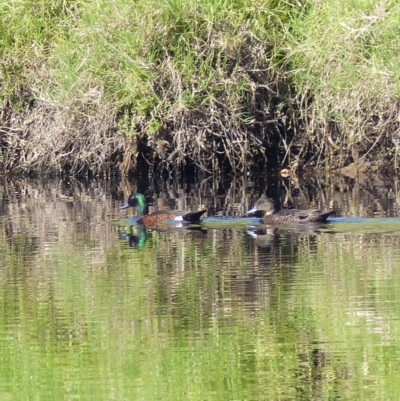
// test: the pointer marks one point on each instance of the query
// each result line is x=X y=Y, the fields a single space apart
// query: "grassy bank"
x=103 y=85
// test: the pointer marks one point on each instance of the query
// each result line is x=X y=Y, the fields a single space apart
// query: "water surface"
x=94 y=308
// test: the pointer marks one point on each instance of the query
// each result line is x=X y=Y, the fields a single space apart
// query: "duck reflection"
x=137 y=235
x=263 y=236
x=266 y=236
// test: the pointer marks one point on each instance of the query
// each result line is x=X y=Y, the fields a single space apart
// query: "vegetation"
x=89 y=86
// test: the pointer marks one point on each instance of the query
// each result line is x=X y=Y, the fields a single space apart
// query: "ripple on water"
x=93 y=309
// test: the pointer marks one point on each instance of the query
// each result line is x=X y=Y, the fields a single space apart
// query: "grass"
x=93 y=86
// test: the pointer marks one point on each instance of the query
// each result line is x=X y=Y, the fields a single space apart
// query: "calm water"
x=95 y=309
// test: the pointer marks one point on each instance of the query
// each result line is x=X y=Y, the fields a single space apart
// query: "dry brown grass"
x=50 y=139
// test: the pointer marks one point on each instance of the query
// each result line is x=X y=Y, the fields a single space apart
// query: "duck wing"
x=178 y=215
x=311 y=215
x=315 y=215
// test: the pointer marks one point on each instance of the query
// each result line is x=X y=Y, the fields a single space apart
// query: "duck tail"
x=193 y=217
x=323 y=216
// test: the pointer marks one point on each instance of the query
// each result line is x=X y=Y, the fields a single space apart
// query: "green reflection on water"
x=201 y=316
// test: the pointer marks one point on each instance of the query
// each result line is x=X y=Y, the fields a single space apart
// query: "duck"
x=138 y=201
x=286 y=216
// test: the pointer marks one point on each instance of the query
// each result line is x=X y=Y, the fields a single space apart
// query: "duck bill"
x=252 y=210
x=124 y=206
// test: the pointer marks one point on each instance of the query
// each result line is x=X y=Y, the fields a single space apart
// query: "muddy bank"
x=46 y=140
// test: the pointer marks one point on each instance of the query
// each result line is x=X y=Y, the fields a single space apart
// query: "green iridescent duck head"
x=136 y=200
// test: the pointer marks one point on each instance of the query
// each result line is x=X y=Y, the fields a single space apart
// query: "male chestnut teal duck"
x=138 y=201
x=286 y=216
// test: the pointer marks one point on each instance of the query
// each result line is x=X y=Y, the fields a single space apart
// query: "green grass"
x=215 y=82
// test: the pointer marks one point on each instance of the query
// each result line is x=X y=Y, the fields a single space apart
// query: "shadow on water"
x=289 y=312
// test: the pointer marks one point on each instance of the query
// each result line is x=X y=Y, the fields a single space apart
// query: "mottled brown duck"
x=287 y=216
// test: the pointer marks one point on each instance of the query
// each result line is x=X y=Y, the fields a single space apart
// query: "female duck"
x=139 y=202
x=286 y=216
